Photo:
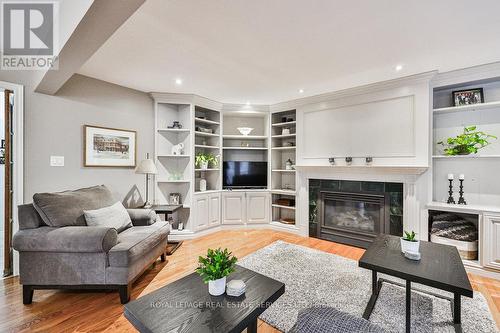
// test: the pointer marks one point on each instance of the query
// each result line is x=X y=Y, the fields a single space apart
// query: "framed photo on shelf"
x=109 y=147
x=174 y=199
x=468 y=97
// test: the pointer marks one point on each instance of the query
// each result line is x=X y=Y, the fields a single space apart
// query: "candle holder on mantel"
x=461 y=200
x=450 y=191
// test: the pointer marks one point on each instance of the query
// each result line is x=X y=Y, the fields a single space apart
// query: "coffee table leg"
x=457 y=309
x=374 y=296
x=408 y=306
x=252 y=328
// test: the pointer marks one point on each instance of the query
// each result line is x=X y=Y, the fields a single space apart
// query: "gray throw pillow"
x=66 y=208
x=114 y=216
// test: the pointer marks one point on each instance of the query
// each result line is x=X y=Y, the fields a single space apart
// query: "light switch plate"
x=57 y=161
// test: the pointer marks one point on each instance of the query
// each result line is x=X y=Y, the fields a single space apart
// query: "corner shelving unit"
x=283 y=181
x=481 y=184
x=174 y=171
x=207 y=139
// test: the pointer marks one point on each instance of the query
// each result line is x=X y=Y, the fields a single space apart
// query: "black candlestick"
x=450 y=192
x=461 y=200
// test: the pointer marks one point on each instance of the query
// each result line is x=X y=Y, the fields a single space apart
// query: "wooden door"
x=8 y=183
x=201 y=210
x=258 y=204
x=233 y=208
x=214 y=209
x=491 y=241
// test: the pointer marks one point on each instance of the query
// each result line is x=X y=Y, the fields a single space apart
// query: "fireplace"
x=354 y=212
x=353 y=218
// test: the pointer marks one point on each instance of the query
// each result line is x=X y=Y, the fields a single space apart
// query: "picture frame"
x=174 y=199
x=468 y=96
x=109 y=147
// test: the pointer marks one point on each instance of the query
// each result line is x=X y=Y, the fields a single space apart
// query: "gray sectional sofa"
x=57 y=250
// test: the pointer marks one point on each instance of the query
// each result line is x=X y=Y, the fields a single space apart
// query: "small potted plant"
x=202 y=160
x=214 y=268
x=469 y=142
x=409 y=243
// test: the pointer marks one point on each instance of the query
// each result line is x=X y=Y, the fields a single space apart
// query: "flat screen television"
x=244 y=174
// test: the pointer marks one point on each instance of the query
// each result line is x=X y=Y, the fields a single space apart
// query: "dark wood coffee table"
x=440 y=267
x=186 y=306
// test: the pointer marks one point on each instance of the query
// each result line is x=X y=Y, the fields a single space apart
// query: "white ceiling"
x=264 y=51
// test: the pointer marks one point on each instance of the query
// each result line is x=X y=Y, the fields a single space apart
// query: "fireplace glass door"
x=352 y=214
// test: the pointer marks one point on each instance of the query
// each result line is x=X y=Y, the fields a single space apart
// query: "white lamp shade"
x=147 y=167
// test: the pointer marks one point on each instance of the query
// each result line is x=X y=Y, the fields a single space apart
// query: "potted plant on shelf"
x=214 y=268
x=202 y=160
x=469 y=142
x=409 y=243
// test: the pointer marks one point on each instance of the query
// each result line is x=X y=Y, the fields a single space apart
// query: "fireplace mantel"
x=368 y=169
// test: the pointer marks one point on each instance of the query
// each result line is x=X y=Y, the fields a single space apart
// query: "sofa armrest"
x=65 y=239
x=142 y=217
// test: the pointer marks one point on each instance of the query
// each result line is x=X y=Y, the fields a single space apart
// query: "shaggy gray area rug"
x=314 y=278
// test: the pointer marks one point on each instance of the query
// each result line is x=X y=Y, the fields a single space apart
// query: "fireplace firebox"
x=353 y=218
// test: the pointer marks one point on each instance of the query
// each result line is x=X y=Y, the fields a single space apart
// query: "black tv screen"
x=245 y=174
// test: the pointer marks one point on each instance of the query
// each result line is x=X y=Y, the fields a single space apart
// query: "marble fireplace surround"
x=415 y=192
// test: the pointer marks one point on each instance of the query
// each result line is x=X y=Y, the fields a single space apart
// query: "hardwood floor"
x=64 y=311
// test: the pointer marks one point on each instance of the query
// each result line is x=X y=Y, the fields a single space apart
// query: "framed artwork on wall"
x=109 y=147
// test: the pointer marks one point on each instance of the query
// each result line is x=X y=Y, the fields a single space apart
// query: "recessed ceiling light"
x=301 y=91
x=178 y=82
x=399 y=67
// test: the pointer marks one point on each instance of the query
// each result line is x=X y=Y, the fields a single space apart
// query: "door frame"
x=17 y=158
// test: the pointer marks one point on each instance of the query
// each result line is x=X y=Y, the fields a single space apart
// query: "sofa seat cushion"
x=66 y=208
x=136 y=242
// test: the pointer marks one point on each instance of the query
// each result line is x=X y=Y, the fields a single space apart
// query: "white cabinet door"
x=214 y=209
x=201 y=212
x=258 y=207
x=233 y=208
x=491 y=241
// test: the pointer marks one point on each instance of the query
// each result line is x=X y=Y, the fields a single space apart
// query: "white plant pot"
x=217 y=287
x=204 y=165
x=408 y=246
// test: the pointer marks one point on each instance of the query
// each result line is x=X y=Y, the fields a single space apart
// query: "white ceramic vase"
x=217 y=287
x=409 y=246
x=203 y=185
x=204 y=165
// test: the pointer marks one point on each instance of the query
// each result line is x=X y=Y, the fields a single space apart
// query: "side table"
x=172 y=246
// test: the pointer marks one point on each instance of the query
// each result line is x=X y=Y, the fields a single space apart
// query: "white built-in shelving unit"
x=481 y=184
x=252 y=147
x=283 y=181
x=207 y=140
x=174 y=171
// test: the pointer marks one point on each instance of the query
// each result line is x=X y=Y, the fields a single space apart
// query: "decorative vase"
x=217 y=287
x=285 y=131
x=410 y=246
x=203 y=185
x=204 y=165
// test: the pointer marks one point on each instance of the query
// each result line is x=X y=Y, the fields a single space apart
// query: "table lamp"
x=147 y=167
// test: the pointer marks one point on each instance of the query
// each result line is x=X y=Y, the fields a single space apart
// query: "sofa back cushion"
x=66 y=208
x=114 y=216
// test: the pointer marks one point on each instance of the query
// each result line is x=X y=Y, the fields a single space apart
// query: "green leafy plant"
x=216 y=265
x=209 y=158
x=469 y=142
x=410 y=236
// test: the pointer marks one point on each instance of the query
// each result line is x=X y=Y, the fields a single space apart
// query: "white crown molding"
x=460 y=76
x=243 y=107
x=181 y=98
x=365 y=89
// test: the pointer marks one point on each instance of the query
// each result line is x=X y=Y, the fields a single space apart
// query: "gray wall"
x=54 y=126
